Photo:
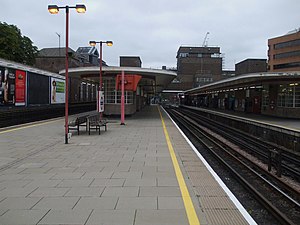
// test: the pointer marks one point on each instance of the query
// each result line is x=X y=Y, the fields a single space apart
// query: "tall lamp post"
x=54 y=9
x=93 y=43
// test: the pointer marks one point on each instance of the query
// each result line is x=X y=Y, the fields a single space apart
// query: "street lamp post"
x=93 y=43
x=54 y=9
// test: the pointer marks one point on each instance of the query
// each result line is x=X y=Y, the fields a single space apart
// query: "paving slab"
x=20 y=217
x=57 y=203
x=96 y=203
x=56 y=217
x=137 y=203
x=161 y=217
x=112 y=217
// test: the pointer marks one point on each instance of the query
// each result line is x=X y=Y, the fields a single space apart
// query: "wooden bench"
x=78 y=120
x=94 y=123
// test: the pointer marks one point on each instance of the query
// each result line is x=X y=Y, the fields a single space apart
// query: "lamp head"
x=109 y=43
x=80 y=8
x=93 y=43
x=53 y=9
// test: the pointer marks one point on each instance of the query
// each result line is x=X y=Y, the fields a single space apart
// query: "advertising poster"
x=2 y=84
x=20 y=87
x=8 y=86
x=57 y=91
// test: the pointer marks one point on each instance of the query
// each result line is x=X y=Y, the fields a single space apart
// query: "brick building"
x=53 y=59
x=197 y=66
x=130 y=61
x=251 y=66
x=284 y=52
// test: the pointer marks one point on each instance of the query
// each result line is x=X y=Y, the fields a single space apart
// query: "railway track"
x=290 y=162
x=278 y=198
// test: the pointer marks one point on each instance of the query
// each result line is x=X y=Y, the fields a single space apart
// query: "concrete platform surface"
x=125 y=176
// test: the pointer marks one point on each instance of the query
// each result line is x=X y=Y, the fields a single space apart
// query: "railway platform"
x=143 y=173
x=284 y=123
x=283 y=132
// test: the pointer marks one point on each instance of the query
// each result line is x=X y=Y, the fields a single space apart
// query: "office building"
x=284 y=52
x=198 y=66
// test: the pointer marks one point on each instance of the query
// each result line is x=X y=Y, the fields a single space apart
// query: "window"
x=183 y=55
x=289 y=96
x=216 y=55
x=114 y=97
x=204 y=79
x=287 y=44
x=287 y=65
x=287 y=54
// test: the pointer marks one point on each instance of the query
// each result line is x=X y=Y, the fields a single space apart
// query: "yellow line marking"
x=28 y=126
x=188 y=204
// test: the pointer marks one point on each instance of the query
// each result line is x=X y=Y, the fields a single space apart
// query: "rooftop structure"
x=251 y=66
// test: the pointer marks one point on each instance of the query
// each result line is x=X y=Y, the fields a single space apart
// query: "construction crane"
x=205 y=40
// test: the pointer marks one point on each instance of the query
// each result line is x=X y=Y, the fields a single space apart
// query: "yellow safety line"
x=188 y=204
x=20 y=128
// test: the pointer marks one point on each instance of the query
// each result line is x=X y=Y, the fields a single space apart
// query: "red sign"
x=130 y=82
x=20 y=87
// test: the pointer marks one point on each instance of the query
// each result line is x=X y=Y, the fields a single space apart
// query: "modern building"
x=197 y=66
x=284 y=52
x=251 y=66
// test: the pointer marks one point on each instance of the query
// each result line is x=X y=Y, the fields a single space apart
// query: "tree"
x=14 y=46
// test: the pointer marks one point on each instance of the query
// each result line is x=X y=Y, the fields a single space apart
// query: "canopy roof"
x=150 y=77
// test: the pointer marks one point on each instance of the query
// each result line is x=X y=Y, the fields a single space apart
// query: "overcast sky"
x=155 y=29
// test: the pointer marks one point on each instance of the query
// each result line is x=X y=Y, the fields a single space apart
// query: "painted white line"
x=235 y=201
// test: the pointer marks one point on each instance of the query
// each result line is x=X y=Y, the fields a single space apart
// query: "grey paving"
x=123 y=176
x=111 y=217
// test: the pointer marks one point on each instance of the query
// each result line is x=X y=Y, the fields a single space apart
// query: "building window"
x=204 y=79
x=287 y=54
x=114 y=97
x=297 y=97
x=286 y=65
x=289 y=96
x=183 y=55
x=287 y=44
x=216 y=55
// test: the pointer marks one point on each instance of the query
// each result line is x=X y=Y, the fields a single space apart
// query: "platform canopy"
x=248 y=80
x=152 y=79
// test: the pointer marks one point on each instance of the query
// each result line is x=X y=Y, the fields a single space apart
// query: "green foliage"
x=14 y=46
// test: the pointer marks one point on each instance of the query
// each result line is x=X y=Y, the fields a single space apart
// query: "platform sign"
x=130 y=82
x=20 y=83
x=101 y=101
x=57 y=91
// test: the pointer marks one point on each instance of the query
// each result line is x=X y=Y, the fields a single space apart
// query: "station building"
x=274 y=94
x=26 y=86
x=142 y=85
